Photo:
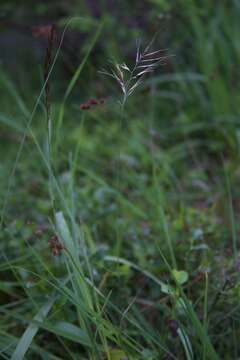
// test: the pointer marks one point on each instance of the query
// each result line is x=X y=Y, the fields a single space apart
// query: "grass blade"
x=32 y=329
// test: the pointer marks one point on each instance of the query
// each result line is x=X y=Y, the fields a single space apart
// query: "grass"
x=139 y=206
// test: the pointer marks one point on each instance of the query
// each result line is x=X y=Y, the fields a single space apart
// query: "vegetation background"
x=119 y=225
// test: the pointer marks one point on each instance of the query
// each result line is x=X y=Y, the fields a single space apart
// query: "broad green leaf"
x=117 y=354
x=181 y=277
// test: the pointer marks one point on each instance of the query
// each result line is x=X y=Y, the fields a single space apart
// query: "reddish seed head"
x=43 y=31
x=93 y=102
x=55 y=245
x=55 y=251
x=85 y=106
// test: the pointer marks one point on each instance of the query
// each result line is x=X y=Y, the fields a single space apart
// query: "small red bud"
x=85 y=106
x=43 y=31
x=93 y=102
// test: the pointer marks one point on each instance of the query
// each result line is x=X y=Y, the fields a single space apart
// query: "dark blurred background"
x=124 y=22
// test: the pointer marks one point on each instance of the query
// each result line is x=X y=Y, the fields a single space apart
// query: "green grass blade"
x=27 y=337
x=68 y=331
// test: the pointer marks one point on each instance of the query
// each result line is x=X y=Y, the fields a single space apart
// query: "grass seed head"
x=129 y=78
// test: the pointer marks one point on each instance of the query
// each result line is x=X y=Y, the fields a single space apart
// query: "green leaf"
x=181 y=277
x=117 y=354
x=68 y=331
x=64 y=232
x=166 y=289
x=122 y=270
x=27 y=337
